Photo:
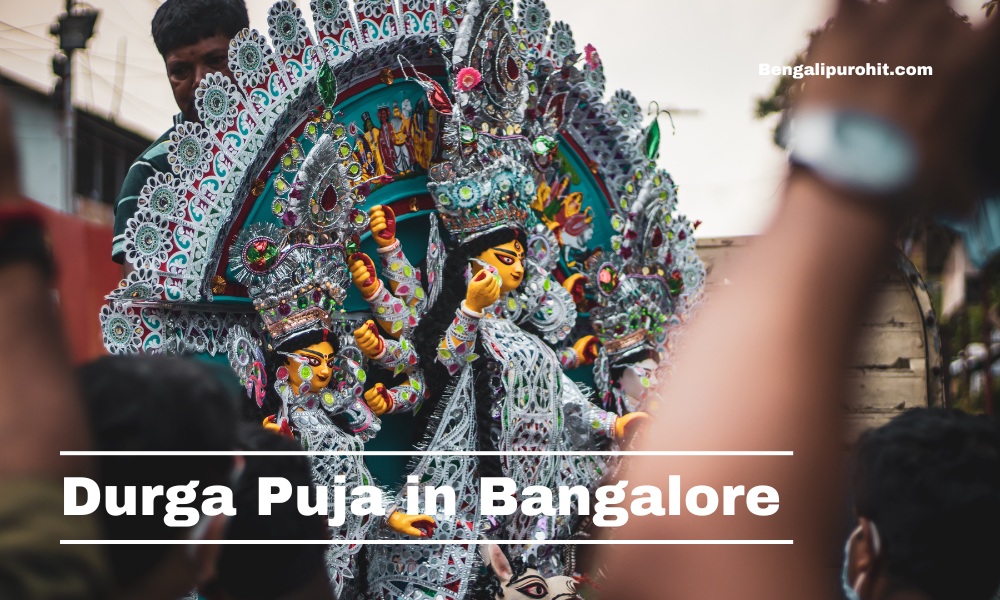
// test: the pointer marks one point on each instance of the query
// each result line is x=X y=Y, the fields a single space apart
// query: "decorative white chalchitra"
x=270 y=133
x=186 y=218
x=646 y=282
x=270 y=148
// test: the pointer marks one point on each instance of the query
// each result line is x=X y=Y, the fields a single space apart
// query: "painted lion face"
x=529 y=584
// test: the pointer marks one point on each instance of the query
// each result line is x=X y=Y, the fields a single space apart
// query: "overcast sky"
x=691 y=55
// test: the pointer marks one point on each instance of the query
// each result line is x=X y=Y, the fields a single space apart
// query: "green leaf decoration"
x=326 y=81
x=652 y=145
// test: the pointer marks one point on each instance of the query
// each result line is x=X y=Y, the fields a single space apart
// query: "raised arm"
x=761 y=367
x=403 y=277
x=40 y=414
x=458 y=344
x=397 y=356
x=581 y=353
x=398 y=306
x=391 y=312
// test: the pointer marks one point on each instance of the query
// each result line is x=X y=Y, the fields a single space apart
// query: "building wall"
x=104 y=151
x=37 y=131
x=897 y=364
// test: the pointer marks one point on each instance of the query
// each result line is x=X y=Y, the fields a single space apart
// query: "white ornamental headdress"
x=486 y=182
x=268 y=150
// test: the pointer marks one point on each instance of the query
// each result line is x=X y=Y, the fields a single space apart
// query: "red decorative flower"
x=591 y=56
x=467 y=79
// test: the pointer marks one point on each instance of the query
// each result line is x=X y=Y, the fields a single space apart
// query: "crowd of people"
x=925 y=489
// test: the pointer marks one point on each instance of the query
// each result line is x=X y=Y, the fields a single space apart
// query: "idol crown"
x=632 y=311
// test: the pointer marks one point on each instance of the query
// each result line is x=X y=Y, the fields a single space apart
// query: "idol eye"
x=313 y=362
x=507 y=260
x=534 y=590
x=331 y=362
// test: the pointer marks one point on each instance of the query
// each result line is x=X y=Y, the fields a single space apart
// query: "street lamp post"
x=74 y=29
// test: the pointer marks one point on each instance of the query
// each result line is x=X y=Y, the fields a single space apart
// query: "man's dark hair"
x=239 y=566
x=180 y=23
x=930 y=482
x=155 y=403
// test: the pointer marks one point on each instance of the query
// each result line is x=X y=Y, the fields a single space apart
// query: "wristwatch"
x=853 y=150
x=23 y=240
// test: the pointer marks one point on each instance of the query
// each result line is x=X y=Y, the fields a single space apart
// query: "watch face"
x=855 y=150
x=864 y=140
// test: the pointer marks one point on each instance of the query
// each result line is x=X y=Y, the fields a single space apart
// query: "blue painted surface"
x=412 y=230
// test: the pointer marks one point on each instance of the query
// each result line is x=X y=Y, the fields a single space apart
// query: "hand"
x=586 y=349
x=484 y=289
x=950 y=115
x=368 y=340
x=271 y=424
x=626 y=427
x=383 y=225
x=421 y=526
x=574 y=285
x=363 y=274
x=377 y=398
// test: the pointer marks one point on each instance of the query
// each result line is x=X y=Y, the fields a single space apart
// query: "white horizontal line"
x=430 y=542
x=430 y=453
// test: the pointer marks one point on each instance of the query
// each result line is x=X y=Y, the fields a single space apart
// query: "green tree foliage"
x=786 y=88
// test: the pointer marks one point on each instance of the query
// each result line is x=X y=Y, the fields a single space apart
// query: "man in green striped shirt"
x=193 y=38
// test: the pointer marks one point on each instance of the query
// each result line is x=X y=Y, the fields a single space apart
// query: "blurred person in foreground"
x=40 y=414
x=866 y=153
x=146 y=403
x=272 y=572
x=193 y=38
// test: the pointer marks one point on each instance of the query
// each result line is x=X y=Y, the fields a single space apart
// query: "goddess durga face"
x=313 y=364
x=508 y=260
x=638 y=378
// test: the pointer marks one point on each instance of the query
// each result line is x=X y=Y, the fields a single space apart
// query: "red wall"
x=86 y=273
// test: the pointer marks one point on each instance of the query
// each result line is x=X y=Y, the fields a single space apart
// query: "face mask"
x=851 y=591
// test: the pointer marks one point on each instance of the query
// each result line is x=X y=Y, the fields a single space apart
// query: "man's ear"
x=868 y=539
x=865 y=549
